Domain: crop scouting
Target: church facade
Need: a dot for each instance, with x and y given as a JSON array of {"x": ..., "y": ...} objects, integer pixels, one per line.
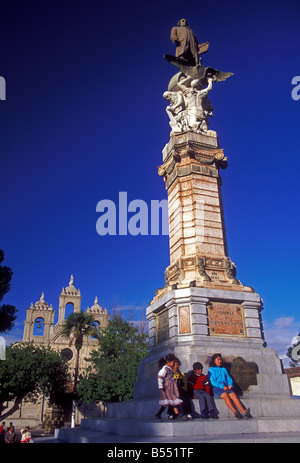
[{"x": 40, "y": 328}]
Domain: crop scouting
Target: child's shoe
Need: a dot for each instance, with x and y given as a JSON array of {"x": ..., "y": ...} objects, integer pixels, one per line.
[
  {"x": 204, "y": 415},
  {"x": 212, "y": 415},
  {"x": 246, "y": 413}
]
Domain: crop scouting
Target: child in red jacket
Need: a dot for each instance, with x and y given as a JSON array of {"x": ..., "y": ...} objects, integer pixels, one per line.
[{"x": 198, "y": 385}]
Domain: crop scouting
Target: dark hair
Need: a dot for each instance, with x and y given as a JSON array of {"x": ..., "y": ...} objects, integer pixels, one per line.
[
  {"x": 176, "y": 360},
  {"x": 212, "y": 360},
  {"x": 164, "y": 360},
  {"x": 197, "y": 366}
]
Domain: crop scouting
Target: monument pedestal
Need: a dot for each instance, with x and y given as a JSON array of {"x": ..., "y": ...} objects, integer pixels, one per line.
[{"x": 194, "y": 323}]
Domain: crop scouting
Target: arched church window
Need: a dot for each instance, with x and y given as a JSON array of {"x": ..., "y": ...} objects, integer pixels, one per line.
[
  {"x": 69, "y": 308},
  {"x": 38, "y": 328},
  {"x": 96, "y": 326}
]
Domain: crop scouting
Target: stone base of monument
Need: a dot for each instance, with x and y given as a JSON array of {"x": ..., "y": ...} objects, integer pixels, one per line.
[{"x": 195, "y": 323}]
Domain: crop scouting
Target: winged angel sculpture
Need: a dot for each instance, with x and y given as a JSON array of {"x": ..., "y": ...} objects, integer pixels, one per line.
[{"x": 189, "y": 106}]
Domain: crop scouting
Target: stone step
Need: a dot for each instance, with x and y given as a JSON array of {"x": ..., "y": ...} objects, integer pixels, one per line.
[
  {"x": 252, "y": 431},
  {"x": 261, "y": 406},
  {"x": 197, "y": 427}
]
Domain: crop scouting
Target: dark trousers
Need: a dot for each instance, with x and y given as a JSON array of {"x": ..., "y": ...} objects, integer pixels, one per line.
[{"x": 204, "y": 400}]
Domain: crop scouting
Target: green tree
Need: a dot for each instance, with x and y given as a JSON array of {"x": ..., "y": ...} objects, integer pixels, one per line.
[
  {"x": 293, "y": 353},
  {"x": 75, "y": 327},
  {"x": 7, "y": 312},
  {"x": 114, "y": 364},
  {"x": 28, "y": 371}
]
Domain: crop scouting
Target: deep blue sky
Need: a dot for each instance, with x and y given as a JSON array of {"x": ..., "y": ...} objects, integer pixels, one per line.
[{"x": 85, "y": 119}]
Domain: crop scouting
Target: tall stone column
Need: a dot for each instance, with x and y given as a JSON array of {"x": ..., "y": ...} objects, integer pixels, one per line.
[{"x": 198, "y": 245}]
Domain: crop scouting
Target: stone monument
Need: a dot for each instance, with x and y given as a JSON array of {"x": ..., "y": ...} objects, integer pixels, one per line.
[{"x": 203, "y": 307}]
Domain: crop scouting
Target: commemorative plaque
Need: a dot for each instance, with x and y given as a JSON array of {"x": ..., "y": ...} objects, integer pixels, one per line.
[
  {"x": 162, "y": 326},
  {"x": 226, "y": 319},
  {"x": 184, "y": 320},
  {"x": 244, "y": 373}
]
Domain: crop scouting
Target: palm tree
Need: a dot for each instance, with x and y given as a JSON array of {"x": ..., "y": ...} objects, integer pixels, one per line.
[{"x": 75, "y": 327}]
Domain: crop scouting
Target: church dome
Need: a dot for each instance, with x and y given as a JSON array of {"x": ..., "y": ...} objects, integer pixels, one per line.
[
  {"x": 96, "y": 308},
  {"x": 41, "y": 304},
  {"x": 71, "y": 290}
]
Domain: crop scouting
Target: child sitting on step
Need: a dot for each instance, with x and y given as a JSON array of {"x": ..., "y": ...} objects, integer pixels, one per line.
[
  {"x": 223, "y": 387},
  {"x": 198, "y": 385}
]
